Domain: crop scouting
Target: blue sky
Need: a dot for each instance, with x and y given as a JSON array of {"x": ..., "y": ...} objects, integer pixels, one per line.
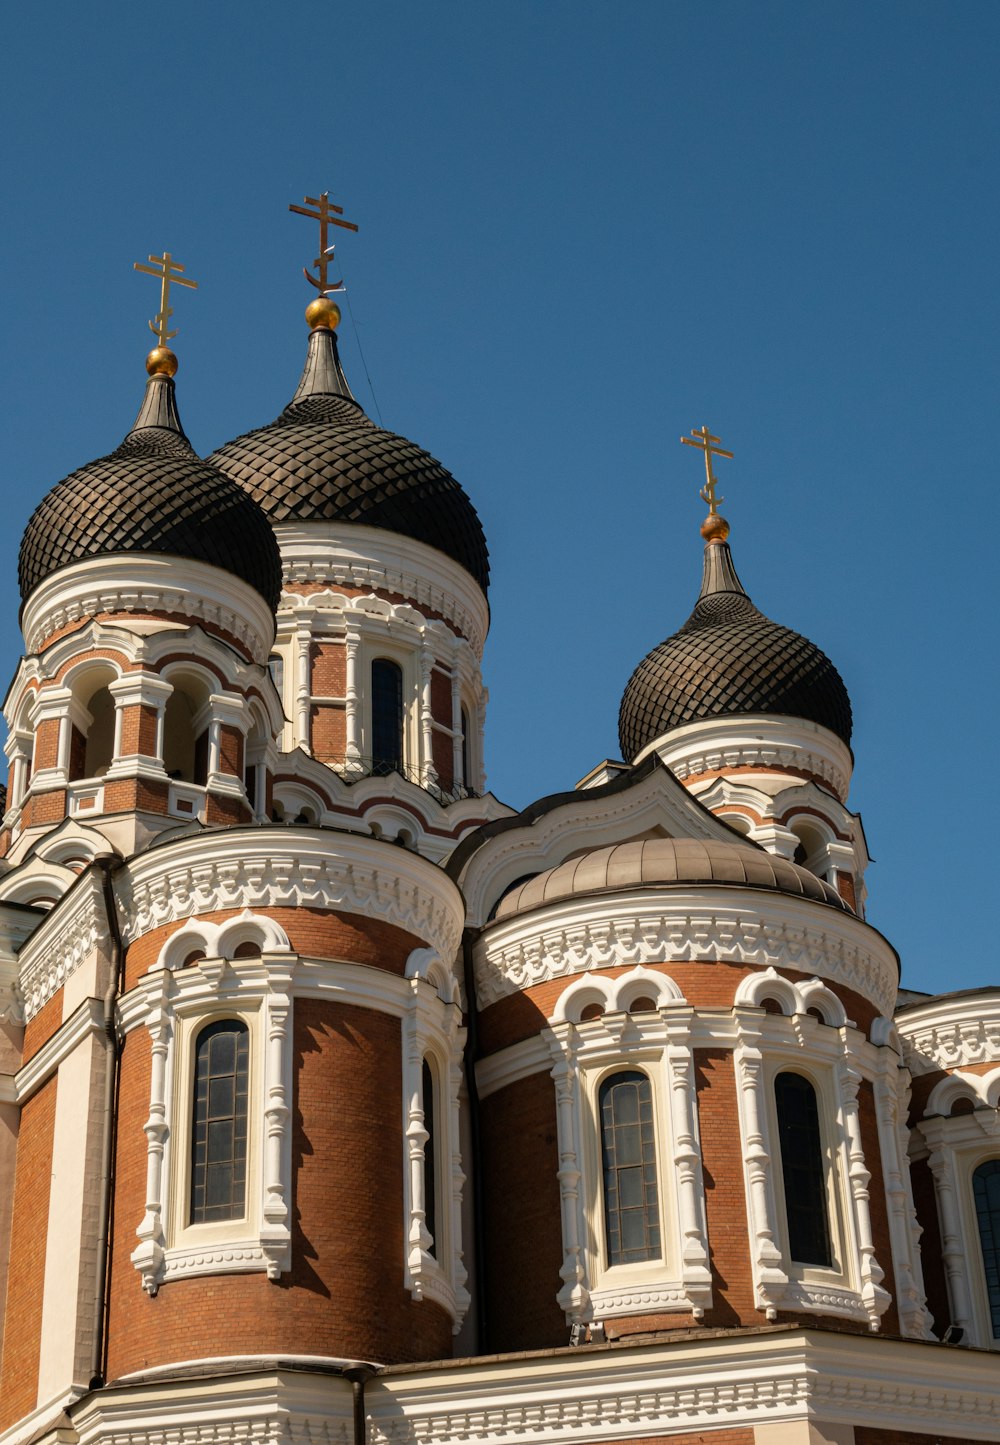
[{"x": 585, "y": 229}]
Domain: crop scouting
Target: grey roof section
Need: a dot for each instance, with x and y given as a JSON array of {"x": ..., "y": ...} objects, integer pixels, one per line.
[
  {"x": 153, "y": 494},
  {"x": 668, "y": 862},
  {"x": 324, "y": 460},
  {"x": 729, "y": 659}
]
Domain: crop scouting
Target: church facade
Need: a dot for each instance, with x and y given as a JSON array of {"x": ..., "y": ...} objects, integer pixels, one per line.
[{"x": 340, "y": 1102}]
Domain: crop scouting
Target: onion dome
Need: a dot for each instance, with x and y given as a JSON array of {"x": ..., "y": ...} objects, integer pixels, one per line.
[
  {"x": 729, "y": 659},
  {"x": 324, "y": 460},
  {"x": 668, "y": 862},
  {"x": 153, "y": 494}
]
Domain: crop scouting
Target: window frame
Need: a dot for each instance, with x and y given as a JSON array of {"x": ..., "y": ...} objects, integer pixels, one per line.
[
  {"x": 586, "y": 1053},
  {"x": 835, "y": 1166},
  {"x": 182, "y": 1235}
]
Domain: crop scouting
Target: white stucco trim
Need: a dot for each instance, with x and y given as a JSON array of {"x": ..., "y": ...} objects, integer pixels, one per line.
[
  {"x": 147, "y": 582},
  {"x": 764, "y": 740}
]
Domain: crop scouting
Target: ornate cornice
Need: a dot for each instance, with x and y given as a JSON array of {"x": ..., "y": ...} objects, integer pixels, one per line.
[
  {"x": 289, "y": 867},
  {"x": 61, "y": 943},
  {"x": 370, "y": 557},
  {"x": 717, "y": 925},
  {"x": 951, "y": 1033},
  {"x": 756, "y": 740},
  {"x": 147, "y": 583}
]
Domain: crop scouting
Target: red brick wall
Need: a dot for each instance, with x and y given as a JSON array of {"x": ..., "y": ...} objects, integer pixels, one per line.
[
  {"x": 231, "y": 750},
  {"x": 444, "y": 759},
  {"x": 329, "y": 669},
  {"x": 344, "y": 1295},
  {"x": 522, "y": 1224},
  {"x": 328, "y": 732},
  {"x": 23, "y": 1320},
  {"x": 522, "y": 1015},
  {"x": 138, "y": 731},
  {"x": 316, "y": 932},
  {"x": 43, "y": 1025},
  {"x": 725, "y": 1197}
]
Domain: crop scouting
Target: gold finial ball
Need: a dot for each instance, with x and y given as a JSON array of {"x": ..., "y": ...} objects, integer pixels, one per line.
[
  {"x": 161, "y": 361},
  {"x": 323, "y": 314},
  {"x": 715, "y": 528}
]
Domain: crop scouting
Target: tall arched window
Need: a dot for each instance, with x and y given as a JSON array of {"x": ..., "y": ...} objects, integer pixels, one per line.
[
  {"x": 466, "y": 780},
  {"x": 628, "y": 1153},
  {"x": 986, "y": 1192},
  {"x": 430, "y": 1162},
  {"x": 219, "y": 1123},
  {"x": 387, "y": 716},
  {"x": 803, "y": 1171}
]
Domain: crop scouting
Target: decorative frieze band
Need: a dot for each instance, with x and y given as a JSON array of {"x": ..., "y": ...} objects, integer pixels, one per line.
[
  {"x": 951, "y": 1034},
  {"x": 608, "y": 930}
]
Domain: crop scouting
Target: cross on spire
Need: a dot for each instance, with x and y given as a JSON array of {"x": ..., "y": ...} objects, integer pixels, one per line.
[
  {"x": 168, "y": 272},
  {"x": 705, "y": 442},
  {"x": 328, "y": 215}
]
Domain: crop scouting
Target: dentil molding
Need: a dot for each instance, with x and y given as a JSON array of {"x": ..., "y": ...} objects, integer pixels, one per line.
[
  {"x": 717, "y": 925},
  {"x": 147, "y": 583},
  {"x": 951, "y": 1033},
  {"x": 289, "y": 867}
]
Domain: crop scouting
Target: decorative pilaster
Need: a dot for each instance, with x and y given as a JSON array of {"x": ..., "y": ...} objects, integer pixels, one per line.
[
  {"x": 351, "y": 700},
  {"x": 574, "y": 1297},
  {"x": 875, "y": 1299},
  {"x": 303, "y": 686},
  {"x": 943, "y": 1168},
  {"x": 695, "y": 1268},
  {"x": 428, "y": 771},
  {"x": 770, "y": 1276},
  {"x": 276, "y": 1234},
  {"x": 892, "y": 1095},
  {"x": 148, "y": 1255}
]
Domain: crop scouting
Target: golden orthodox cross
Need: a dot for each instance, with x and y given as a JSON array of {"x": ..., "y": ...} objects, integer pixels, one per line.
[
  {"x": 169, "y": 272},
  {"x": 327, "y": 214},
  {"x": 705, "y": 442}
]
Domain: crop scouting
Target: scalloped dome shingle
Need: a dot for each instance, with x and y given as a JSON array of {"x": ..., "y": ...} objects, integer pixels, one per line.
[
  {"x": 152, "y": 494},
  {"x": 666, "y": 862},
  {"x": 323, "y": 459},
  {"x": 729, "y": 659}
]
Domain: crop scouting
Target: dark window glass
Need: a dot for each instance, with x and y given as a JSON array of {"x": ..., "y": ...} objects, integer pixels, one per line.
[
  {"x": 387, "y": 716},
  {"x": 219, "y": 1131},
  {"x": 466, "y": 780},
  {"x": 802, "y": 1170},
  {"x": 430, "y": 1164},
  {"x": 628, "y": 1149},
  {"x": 986, "y": 1190}
]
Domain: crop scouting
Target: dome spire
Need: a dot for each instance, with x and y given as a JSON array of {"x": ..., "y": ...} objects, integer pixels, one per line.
[
  {"x": 715, "y": 528},
  {"x": 159, "y": 404},
  {"x": 323, "y": 374}
]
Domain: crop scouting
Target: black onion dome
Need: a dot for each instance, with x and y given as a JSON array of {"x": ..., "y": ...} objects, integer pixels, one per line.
[
  {"x": 666, "y": 863},
  {"x": 324, "y": 460},
  {"x": 153, "y": 494},
  {"x": 729, "y": 659}
]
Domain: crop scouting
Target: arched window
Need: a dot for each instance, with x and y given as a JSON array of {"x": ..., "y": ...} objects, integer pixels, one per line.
[
  {"x": 466, "y": 779},
  {"x": 986, "y": 1192},
  {"x": 219, "y": 1122},
  {"x": 803, "y": 1171},
  {"x": 387, "y": 716},
  {"x": 92, "y": 734},
  {"x": 430, "y": 1162},
  {"x": 185, "y": 730},
  {"x": 628, "y": 1154}
]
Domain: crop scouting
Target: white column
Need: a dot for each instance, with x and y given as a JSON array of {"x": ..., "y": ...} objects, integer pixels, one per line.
[
  {"x": 892, "y": 1095},
  {"x": 457, "y": 774},
  {"x": 147, "y": 1257},
  {"x": 875, "y": 1299},
  {"x": 953, "y": 1252},
  {"x": 770, "y": 1276},
  {"x": 574, "y": 1296},
  {"x": 352, "y": 726},
  {"x": 696, "y": 1272},
  {"x": 276, "y": 1234},
  {"x": 428, "y": 772},
  {"x": 303, "y": 687}
]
